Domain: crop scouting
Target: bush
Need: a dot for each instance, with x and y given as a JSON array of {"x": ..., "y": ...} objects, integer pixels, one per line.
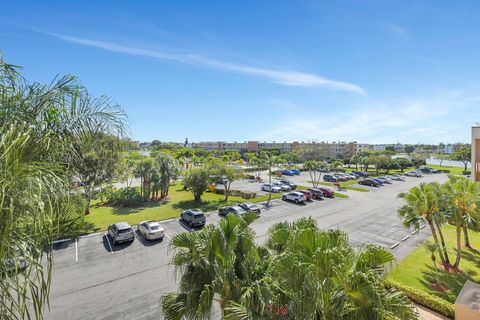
[
  {"x": 423, "y": 298},
  {"x": 467, "y": 172},
  {"x": 125, "y": 197},
  {"x": 444, "y": 171},
  {"x": 248, "y": 195}
]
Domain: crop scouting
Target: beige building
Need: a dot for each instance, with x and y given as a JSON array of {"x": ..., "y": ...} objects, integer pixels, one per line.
[{"x": 476, "y": 153}]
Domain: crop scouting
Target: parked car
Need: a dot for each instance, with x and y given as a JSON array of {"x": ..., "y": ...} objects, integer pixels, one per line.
[
  {"x": 294, "y": 196},
  {"x": 360, "y": 173},
  {"x": 340, "y": 177},
  {"x": 379, "y": 181},
  {"x": 120, "y": 232},
  {"x": 270, "y": 188},
  {"x": 288, "y": 173},
  {"x": 248, "y": 206},
  {"x": 329, "y": 193},
  {"x": 416, "y": 174},
  {"x": 231, "y": 209},
  {"x": 15, "y": 265},
  {"x": 295, "y": 171},
  {"x": 151, "y": 230},
  {"x": 384, "y": 180},
  {"x": 316, "y": 193},
  {"x": 396, "y": 177},
  {"x": 282, "y": 186},
  {"x": 307, "y": 193},
  {"x": 289, "y": 183},
  {"x": 351, "y": 176},
  {"x": 194, "y": 218},
  {"x": 329, "y": 178},
  {"x": 369, "y": 182},
  {"x": 427, "y": 170}
]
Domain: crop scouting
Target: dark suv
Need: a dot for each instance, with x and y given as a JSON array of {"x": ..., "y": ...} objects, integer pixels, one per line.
[
  {"x": 194, "y": 218},
  {"x": 289, "y": 183},
  {"x": 121, "y": 232},
  {"x": 316, "y": 193},
  {"x": 231, "y": 209}
]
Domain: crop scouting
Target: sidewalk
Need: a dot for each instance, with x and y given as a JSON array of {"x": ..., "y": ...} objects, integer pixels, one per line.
[{"x": 427, "y": 314}]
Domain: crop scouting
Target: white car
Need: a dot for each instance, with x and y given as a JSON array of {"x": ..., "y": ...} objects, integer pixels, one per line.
[
  {"x": 295, "y": 196},
  {"x": 396, "y": 177},
  {"x": 282, "y": 186},
  {"x": 270, "y": 188},
  {"x": 416, "y": 174},
  {"x": 151, "y": 230}
]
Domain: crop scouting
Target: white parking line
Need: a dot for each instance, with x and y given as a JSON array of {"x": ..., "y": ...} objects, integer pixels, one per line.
[
  {"x": 76, "y": 250},
  {"x": 166, "y": 235},
  {"x": 108, "y": 241}
]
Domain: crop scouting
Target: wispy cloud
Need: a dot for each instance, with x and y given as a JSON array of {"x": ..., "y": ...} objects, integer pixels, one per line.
[
  {"x": 397, "y": 30},
  {"x": 288, "y": 78},
  {"x": 426, "y": 119}
]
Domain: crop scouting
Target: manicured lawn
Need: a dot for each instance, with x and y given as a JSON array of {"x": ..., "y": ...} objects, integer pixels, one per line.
[
  {"x": 101, "y": 216},
  {"x": 346, "y": 185},
  {"x": 417, "y": 269},
  {"x": 453, "y": 170}
]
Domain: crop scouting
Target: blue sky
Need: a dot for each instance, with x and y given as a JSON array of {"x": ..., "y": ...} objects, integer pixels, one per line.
[{"x": 377, "y": 71}]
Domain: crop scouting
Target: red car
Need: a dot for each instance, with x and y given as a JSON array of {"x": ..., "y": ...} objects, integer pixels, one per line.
[
  {"x": 308, "y": 194},
  {"x": 327, "y": 192}
]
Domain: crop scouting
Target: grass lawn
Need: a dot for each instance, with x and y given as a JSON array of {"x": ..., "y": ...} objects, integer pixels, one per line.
[
  {"x": 101, "y": 216},
  {"x": 453, "y": 170},
  {"x": 417, "y": 269},
  {"x": 346, "y": 185}
]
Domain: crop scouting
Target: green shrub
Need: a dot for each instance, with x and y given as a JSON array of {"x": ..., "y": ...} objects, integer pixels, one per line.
[
  {"x": 248, "y": 195},
  {"x": 444, "y": 171},
  {"x": 423, "y": 298},
  {"x": 467, "y": 172},
  {"x": 125, "y": 197}
]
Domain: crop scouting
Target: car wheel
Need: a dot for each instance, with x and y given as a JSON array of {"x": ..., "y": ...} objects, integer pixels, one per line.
[
  {"x": 284, "y": 198},
  {"x": 296, "y": 201}
]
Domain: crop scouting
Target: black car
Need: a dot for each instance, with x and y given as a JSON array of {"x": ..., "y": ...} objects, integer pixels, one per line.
[
  {"x": 231, "y": 209},
  {"x": 248, "y": 206},
  {"x": 360, "y": 173},
  {"x": 368, "y": 182},
  {"x": 289, "y": 183},
  {"x": 194, "y": 218},
  {"x": 316, "y": 193}
]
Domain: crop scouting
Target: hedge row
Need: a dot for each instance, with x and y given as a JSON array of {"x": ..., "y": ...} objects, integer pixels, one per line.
[
  {"x": 237, "y": 193},
  {"x": 423, "y": 298}
]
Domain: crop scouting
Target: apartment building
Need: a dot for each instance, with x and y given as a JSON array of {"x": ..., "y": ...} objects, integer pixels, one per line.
[{"x": 328, "y": 149}]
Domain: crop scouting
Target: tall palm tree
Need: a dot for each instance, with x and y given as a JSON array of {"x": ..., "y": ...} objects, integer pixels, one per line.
[
  {"x": 432, "y": 248},
  {"x": 423, "y": 205},
  {"x": 462, "y": 202},
  {"x": 317, "y": 274},
  {"x": 220, "y": 265}
]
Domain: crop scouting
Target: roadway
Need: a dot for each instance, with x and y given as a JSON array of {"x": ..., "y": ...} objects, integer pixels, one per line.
[{"x": 92, "y": 279}]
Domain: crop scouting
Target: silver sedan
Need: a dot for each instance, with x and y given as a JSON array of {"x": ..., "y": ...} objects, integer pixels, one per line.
[{"x": 151, "y": 230}]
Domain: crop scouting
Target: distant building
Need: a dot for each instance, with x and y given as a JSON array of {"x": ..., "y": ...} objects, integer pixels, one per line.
[
  {"x": 476, "y": 153},
  {"x": 448, "y": 149},
  {"x": 329, "y": 149}
]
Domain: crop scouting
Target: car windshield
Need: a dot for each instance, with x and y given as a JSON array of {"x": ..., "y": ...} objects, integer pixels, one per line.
[
  {"x": 154, "y": 227},
  {"x": 124, "y": 230}
]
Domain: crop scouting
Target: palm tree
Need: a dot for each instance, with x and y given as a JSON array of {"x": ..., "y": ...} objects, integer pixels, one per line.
[
  {"x": 39, "y": 126},
  {"x": 219, "y": 265},
  {"x": 462, "y": 202},
  {"x": 432, "y": 248},
  {"x": 423, "y": 206},
  {"x": 317, "y": 274}
]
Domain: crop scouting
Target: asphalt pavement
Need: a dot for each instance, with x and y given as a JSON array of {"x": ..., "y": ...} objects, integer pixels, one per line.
[{"x": 93, "y": 279}]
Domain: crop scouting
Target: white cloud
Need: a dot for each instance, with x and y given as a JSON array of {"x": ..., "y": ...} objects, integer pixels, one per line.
[
  {"x": 409, "y": 120},
  {"x": 288, "y": 78}
]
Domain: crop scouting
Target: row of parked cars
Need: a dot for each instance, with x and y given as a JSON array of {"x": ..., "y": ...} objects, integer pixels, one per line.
[
  {"x": 123, "y": 232},
  {"x": 300, "y": 196}
]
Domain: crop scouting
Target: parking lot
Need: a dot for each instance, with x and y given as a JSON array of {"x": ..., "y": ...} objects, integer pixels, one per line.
[{"x": 95, "y": 280}]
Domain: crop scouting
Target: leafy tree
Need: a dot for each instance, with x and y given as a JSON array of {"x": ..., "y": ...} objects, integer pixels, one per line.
[
  {"x": 355, "y": 159},
  {"x": 423, "y": 206},
  {"x": 267, "y": 161},
  {"x": 390, "y": 148},
  {"x": 418, "y": 161},
  {"x": 403, "y": 163},
  {"x": 464, "y": 155},
  {"x": 441, "y": 158},
  {"x": 128, "y": 166},
  {"x": 197, "y": 180},
  {"x": 409, "y": 149},
  {"x": 97, "y": 157},
  {"x": 383, "y": 162},
  {"x": 366, "y": 162},
  {"x": 335, "y": 165},
  {"x": 146, "y": 171},
  {"x": 226, "y": 175}
]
